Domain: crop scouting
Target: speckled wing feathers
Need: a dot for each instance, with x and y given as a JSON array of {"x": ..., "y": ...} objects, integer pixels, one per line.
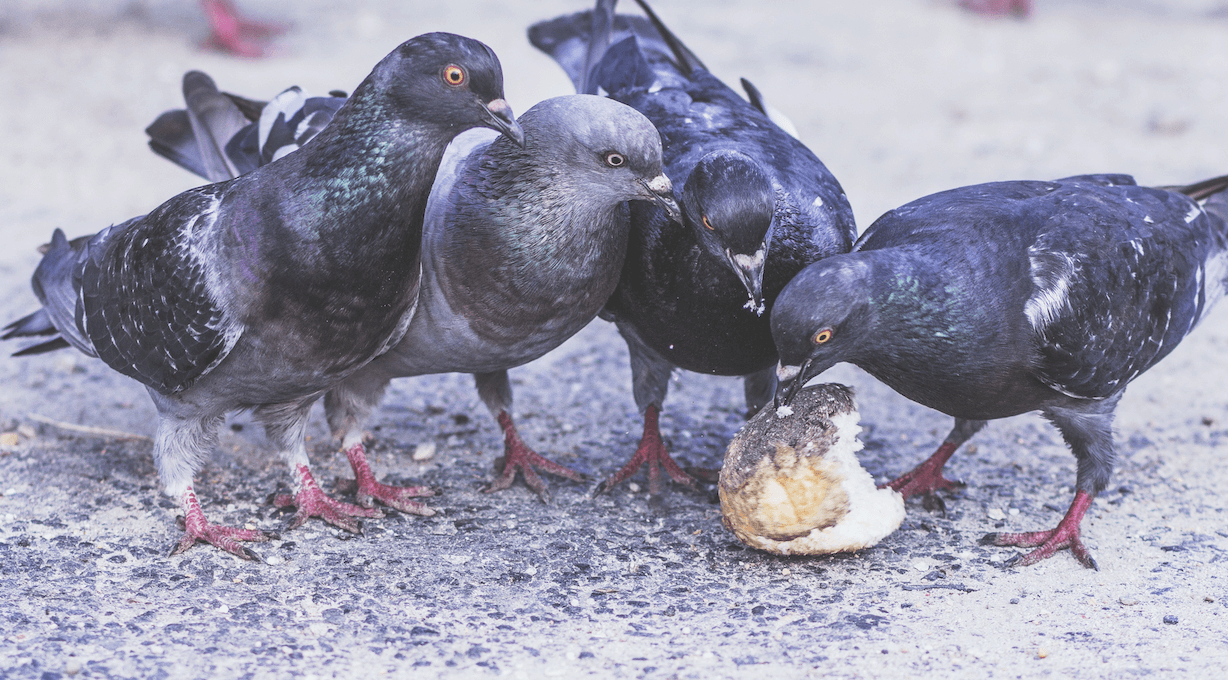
[
  {"x": 1113, "y": 297},
  {"x": 144, "y": 301}
]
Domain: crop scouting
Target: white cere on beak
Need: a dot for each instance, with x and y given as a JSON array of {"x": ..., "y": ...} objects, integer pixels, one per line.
[
  {"x": 660, "y": 184},
  {"x": 750, "y": 262},
  {"x": 787, "y": 373}
]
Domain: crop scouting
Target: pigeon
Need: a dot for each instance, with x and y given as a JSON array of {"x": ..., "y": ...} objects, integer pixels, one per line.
[
  {"x": 993, "y": 300},
  {"x": 549, "y": 221},
  {"x": 757, "y": 207},
  {"x": 265, "y": 291}
]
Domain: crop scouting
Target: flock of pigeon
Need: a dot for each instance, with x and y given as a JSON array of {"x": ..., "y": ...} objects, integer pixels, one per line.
[{"x": 416, "y": 227}]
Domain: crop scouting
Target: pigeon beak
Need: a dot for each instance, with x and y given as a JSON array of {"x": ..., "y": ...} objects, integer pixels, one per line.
[
  {"x": 501, "y": 119},
  {"x": 661, "y": 191},
  {"x": 749, "y": 269},
  {"x": 790, "y": 379}
]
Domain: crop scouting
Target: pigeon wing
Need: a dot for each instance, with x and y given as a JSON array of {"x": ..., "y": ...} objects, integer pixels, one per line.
[
  {"x": 144, "y": 300},
  {"x": 1118, "y": 281}
]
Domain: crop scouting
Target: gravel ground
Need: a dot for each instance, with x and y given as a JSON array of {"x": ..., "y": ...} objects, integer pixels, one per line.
[{"x": 900, "y": 98}]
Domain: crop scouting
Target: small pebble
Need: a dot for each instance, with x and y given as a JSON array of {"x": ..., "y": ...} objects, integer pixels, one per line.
[
  {"x": 424, "y": 451},
  {"x": 996, "y": 514},
  {"x": 1014, "y": 600},
  {"x": 1013, "y": 511},
  {"x": 1042, "y": 653},
  {"x": 920, "y": 565},
  {"x": 1128, "y": 600},
  {"x": 635, "y": 488},
  {"x": 273, "y": 560},
  {"x": 72, "y": 667},
  {"x": 784, "y": 411},
  {"x": 1208, "y": 598},
  {"x": 1170, "y": 619},
  {"x": 9, "y": 439},
  {"x": 785, "y": 572}
]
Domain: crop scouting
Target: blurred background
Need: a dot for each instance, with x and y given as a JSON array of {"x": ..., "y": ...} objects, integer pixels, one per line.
[{"x": 899, "y": 97}]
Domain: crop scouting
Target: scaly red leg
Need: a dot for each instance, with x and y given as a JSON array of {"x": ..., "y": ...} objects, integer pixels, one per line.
[
  {"x": 367, "y": 490},
  {"x": 311, "y": 501},
  {"x": 197, "y": 528},
  {"x": 518, "y": 456},
  {"x": 652, "y": 451},
  {"x": 1065, "y": 535},
  {"x": 926, "y": 477},
  {"x": 232, "y": 33}
]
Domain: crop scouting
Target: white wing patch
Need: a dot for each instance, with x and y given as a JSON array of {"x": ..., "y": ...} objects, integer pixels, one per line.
[
  {"x": 1193, "y": 214},
  {"x": 1052, "y": 274}
]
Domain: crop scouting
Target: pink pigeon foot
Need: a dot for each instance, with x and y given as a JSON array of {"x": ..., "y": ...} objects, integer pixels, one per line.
[
  {"x": 518, "y": 456},
  {"x": 1065, "y": 535},
  {"x": 197, "y": 528},
  {"x": 652, "y": 451},
  {"x": 311, "y": 501},
  {"x": 231, "y": 33},
  {"x": 367, "y": 490},
  {"x": 927, "y": 477}
]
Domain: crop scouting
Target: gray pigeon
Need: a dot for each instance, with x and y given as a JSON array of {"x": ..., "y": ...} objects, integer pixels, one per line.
[
  {"x": 265, "y": 291},
  {"x": 521, "y": 247},
  {"x": 997, "y": 299}
]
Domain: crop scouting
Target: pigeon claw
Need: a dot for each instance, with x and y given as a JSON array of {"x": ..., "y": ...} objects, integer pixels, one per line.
[
  {"x": 224, "y": 537},
  {"x": 652, "y": 451},
  {"x": 927, "y": 477},
  {"x": 310, "y": 501},
  {"x": 367, "y": 490},
  {"x": 1047, "y": 543},
  {"x": 518, "y": 456}
]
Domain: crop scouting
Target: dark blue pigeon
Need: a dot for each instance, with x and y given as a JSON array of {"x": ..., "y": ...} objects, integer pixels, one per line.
[
  {"x": 521, "y": 247},
  {"x": 993, "y": 300},
  {"x": 265, "y": 291},
  {"x": 757, "y": 207}
]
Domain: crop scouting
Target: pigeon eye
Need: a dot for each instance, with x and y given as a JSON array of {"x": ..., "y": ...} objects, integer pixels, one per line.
[
  {"x": 615, "y": 159},
  {"x": 822, "y": 336},
  {"x": 708, "y": 224},
  {"x": 453, "y": 75}
]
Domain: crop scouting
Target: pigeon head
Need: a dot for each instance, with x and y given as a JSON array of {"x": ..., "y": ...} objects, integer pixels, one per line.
[
  {"x": 607, "y": 147},
  {"x": 824, "y": 316},
  {"x": 447, "y": 80},
  {"x": 728, "y": 201}
]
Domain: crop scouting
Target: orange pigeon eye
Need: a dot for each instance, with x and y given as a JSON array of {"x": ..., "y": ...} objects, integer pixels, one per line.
[
  {"x": 453, "y": 75},
  {"x": 822, "y": 336}
]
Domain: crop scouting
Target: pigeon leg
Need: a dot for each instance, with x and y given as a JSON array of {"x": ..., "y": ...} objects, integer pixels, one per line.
[
  {"x": 1020, "y": 9},
  {"x": 197, "y": 528},
  {"x": 518, "y": 456},
  {"x": 231, "y": 33},
  {"x": 368, "y": 490},
  {"x": 927, "y": 477},
  {"x": 652, "y": 451},
  {"x": 311, "y": 501},
  {"x": 1065, "y": 535}
]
